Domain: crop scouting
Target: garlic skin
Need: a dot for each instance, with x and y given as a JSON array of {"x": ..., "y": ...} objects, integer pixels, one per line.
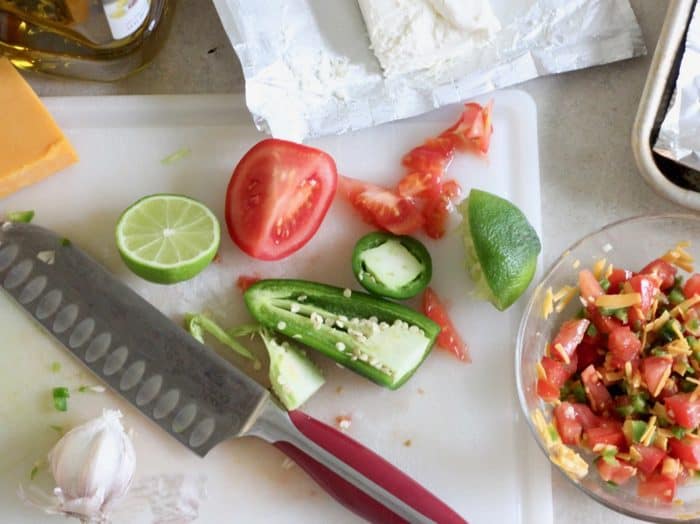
[{"x": 93, "y": 466}]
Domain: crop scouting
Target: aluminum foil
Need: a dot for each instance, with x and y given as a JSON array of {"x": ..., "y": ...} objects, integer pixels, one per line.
[
  {"x": 679, "y": 134},
  {"x": 309, "y": 70}
]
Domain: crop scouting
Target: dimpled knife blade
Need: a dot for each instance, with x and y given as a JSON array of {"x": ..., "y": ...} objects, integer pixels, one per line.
[{"x": 180, "y": 384}]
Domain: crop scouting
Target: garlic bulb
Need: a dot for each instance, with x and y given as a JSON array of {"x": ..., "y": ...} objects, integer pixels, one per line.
[{"x": 93, "y": 466}]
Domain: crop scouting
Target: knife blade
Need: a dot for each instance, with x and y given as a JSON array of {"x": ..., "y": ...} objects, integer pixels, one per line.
[{"x": 183, "y": 386}]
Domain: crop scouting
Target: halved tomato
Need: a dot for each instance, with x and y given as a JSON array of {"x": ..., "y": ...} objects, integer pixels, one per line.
[
  {"x": 618, "y": 472},
  {"x": 654, "y": 370},
  {"x": 589, "y": 286},
  {"x": 656, "y": 486},
  {"x": 436, "y": 211},
  {"x": 473, "y": 130},
  {"x": 687, "y": 450},
  {"x": 448, "y": 338},
  {"x": 598, "y": 395},
  {"x": 684, "y": 411},
  {"x": 277, "y": 198},
  {"x": 651, "y": 458},
  {"x": 663, "y": 270},
  {"x": 382, "y": 207},
  {"x": 569, "y": 336}
]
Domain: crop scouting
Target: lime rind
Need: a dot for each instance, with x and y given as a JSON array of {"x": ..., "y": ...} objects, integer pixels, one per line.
[
  {"x": 501, "y": 247},
  {"x": 167, "y": 238}
]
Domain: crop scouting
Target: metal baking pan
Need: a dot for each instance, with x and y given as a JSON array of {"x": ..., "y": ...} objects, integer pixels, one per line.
[{"x": 668, "y": 178}]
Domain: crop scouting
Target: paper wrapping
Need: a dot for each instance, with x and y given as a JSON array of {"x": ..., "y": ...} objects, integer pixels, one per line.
[
  {"x": 679, "y": 134},
  {"x": 309, "y": 70}
]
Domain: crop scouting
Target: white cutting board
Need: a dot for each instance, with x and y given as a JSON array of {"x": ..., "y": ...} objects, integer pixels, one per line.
[{"x": 468, "y": 442}]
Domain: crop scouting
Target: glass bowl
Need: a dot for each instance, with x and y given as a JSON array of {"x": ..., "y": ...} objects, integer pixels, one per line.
[{"x": 631, "y": 244}]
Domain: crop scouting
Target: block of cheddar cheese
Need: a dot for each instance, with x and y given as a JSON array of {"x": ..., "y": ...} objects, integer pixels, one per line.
[{"x": 32, "y": 146}]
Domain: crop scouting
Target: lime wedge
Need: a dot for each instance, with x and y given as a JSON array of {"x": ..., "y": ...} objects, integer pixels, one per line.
[
  {"x": 501, "y": 247},
  {"x": 167, "y": 238}
]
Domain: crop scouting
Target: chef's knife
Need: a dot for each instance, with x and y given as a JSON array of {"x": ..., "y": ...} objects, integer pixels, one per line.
[{"x": 186, "y": 388}]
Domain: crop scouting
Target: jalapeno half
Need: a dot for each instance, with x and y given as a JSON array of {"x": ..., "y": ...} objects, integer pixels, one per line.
[{"x": 391, "y": 266}]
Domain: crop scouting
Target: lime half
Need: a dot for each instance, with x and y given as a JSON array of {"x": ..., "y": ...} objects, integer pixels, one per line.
[
  {"x": 167, "y": 238},
  {"x": 501, "y": 246}
]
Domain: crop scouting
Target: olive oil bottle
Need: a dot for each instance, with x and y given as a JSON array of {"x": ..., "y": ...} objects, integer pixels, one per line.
[{"x": 92, "y": 39}]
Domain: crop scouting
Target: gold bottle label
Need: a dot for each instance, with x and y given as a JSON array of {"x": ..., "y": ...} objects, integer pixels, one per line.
[{"x": 125, "y": 16}]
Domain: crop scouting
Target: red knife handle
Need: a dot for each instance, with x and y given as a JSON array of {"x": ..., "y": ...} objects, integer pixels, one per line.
[{"x": 355, "y": 476}]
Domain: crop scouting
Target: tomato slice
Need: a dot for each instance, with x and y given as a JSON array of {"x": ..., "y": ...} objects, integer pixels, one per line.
[
  {"x": 623, "y": 345},
  {"x": 662, "y": 270},
  {"x": 651, "y": 458},
  {"x": 619, "y": 472},
  {"x": 617, "y": 278},
  {"x": 682, "y": 410},
  {"x": 420, "y": 184},
  {"x": 692, "y": 286},
  {"x": 448, "y": 338},
  {"x": 654, "y": 370},
  {"x": 436, "y": 212},
  {"x": 598, "y": 395},
  {"x": 473, "y": 130},
  {"x": 687, "y": 450},
  {"x": 589, "y": 286},
  {"x": 569, "y": 337},
  {"x": 277, "y": 198},
  {"x": 382, "y": 207},
  {"x": 656, "y": 486}
]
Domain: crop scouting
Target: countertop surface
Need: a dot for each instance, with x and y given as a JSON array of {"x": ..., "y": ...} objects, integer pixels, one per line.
[{"x": 585, "y": 118}]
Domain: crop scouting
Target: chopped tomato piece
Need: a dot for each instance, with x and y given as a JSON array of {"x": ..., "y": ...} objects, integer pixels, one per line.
[
  {"x": 569, "y": 337},
  {"x": 682, "y": 410},
  {"x": 651, "y": 458},
  {"x": 623, "y": 345},
  {"x": 473, "y": 130},
  {"x": 603, "y": 323},
  {"x": 436, "y": 212},
  {"x": 663, "y": 270},
  {"x": 571, "y": 420},
  {"x": 382, "y": 207},
  {"x": 636, "y": 318},
  {"x": 278, "y": 196},
  {"x": 433, "y": 157},
  {"x": 589, "y": 286},
  {"x": 588, "y": 354},
  {"x": 547, "y": 391},
  {"x": 557, "y": 372},
  {"x": 420, "y": 185},
  {"x": 670, "y": 389},
  {"x": 243, "y": 282},
  {"x": 448, "y": 338},
  {"x": 610, "y": 434},
  {"x": 648, "y": 287},
  {"x": 654, "y": 370},
  {"x": 618, "y": 472},
  {"x": 598, "y": 395},
  {"x": 656, "y": 486},
  {"x": 687, "y": 450},
  {"x": 692, "y": 286},
  {"x": 617, "y": 278}
]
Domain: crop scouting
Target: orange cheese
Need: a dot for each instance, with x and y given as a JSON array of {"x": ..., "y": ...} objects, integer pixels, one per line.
[{"x": 32, "y": 146}]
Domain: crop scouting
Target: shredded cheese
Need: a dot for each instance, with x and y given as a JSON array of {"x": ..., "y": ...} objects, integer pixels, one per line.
[
  {"x": 618, "y": 301},
  {"x": 609, "y": 271},
  {"x": 679, "y": 257},
  {"x": 576, "y": 264},
  {"x": 658, "y": 323},
  {"x": 649, "y": 433},
  {"x": 568, "y": 297},
  {"x": 635, "y": 456},
  {"x": 547, "y": 303},
  {"x": 628, "y": 369},
  {"x": 662, "y": 382},
  {"x": 598, "y": 268},
  {"x": 685, "y": 305},
  {"x": 562, "y": 352},
  {"x": 541, "y": 373}
]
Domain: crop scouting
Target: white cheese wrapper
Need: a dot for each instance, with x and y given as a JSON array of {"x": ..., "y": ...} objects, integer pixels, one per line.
[
  {"x": 679, "y": 135},
  {"x": 310, "y": 71}
]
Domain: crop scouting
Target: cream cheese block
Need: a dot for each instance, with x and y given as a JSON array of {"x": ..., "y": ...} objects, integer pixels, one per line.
[{"x": 408, "y": 35}]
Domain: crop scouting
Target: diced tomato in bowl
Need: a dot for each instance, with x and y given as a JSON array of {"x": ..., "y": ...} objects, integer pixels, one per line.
[
  {"x": 662, "y": 270},
  {"x": 683, "y": 410},
  {"x": 615, "y": 470}
]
